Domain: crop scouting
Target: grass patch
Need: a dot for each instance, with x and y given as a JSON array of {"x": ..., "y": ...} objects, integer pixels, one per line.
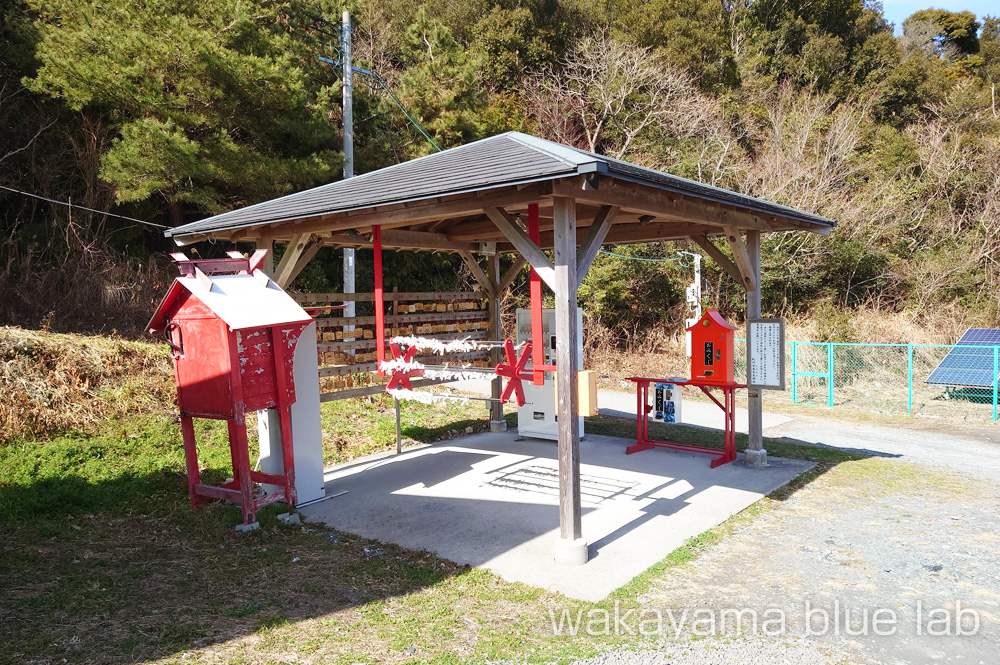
[
  {"x": 708, "y": 438},
  {"x": 367, "y": 425},
  {"x": 103, "y": 559}
]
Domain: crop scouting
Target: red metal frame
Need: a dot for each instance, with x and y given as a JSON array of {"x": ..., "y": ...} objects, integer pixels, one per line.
[
  {"x": 513, "y": 371},
  {"x": 643, "y": 408},
  {"x": 379, "y": 300},
  {"x": 401, "y": 377}
]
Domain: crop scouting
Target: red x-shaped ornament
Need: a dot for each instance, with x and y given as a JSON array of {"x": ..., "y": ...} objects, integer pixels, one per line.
[
  {"x": 513, "y": 370},
  {"x": 401, "y": 377}
]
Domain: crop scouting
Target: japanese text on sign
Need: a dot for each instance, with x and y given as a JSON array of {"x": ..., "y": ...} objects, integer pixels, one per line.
[{"x": 766, "y": 354}]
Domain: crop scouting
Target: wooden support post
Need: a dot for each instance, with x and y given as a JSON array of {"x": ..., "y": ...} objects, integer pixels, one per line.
[
  {"x": 522, "y": 243},
  {"x": 742, "y": 256},
  {"x": 496, "y": 408},
  {"x": 399, "y": 431},
  {"x": 268, "y": 264},
  {"x": 756, "y": 455},
  {"x": 571, "y": 549},
  {"x": 284, "y": 273},
  {"x": 595, "y": 237}
]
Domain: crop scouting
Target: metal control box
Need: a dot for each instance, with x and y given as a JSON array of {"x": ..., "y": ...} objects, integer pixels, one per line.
[{"x": 537, "y": 417}]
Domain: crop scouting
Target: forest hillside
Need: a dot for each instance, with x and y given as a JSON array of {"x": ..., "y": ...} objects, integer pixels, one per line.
[{"x": 163, "y": 112}]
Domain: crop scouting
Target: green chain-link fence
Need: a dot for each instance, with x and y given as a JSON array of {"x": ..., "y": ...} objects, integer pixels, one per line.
[{"x": 888, "y": 378}]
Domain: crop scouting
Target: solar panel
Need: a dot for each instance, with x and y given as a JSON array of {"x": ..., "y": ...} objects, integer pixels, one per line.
[{"x": 970, "y": 366}]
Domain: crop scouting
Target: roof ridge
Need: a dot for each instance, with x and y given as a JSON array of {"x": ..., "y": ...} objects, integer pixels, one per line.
[{"x": 566, "y": 154}]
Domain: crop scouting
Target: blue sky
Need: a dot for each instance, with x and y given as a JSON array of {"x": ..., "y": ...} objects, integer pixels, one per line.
[{"x": 896, "y": 11}]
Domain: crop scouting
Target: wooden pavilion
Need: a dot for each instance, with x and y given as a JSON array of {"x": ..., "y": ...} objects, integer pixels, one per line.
[{"x": 459, "y": 199}]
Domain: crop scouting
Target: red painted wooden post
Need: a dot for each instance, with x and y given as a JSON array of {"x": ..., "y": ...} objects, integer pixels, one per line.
[
  {"x": 379, "y": 300},
  {"x": 284, "y": 413},
  {"x": 238, "y": 434},
  {"x": 191, "y": 457},
  {"x": 537, "y": 332}
]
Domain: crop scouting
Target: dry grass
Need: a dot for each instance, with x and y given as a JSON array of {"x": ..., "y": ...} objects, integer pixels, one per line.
[
  {"x": 88, "y": 288},
  {"x": 55, "y": 382}
]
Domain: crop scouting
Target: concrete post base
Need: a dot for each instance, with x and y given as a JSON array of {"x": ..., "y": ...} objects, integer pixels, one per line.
[
  {"x": 571, "y": 552},
  {"x": 247, "y": 528},
  {"x": 498, "y": 426},
  {"x": 755, "y": 458}
]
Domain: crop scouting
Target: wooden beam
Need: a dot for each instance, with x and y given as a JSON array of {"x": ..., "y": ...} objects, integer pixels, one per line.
[
  {"x": 407, "y": 214},
  {"x": 742, "y": 258},
  {"x": 268, "y": 264},
  {"x": 308, "y": 253},
  {"x": 284, "y": 273},
  {"x": 529, "y": 250},
  {"x": 424, "y": 240},
  {"x": 510, "y": 275},
  {"x": 496, "y": 386},
  {"x": 724, "y": 262},
  {"x": 348, "y": 240},
  {"x": 622, "y": 234},
  {"x": 662, "y": 204},
  {"x": 478, "y": 273},
  {"x": 595, "y": 238},
  {"x": 567, "y": 338}
]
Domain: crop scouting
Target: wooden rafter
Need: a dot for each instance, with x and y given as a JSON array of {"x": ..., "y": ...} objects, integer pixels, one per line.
[
  {"x": 743, "y": 260},
  {"x": 596, "y": 234},
  {"x": 478, "y": 273},
  {"x": 621, "y": 234},
  {"x": 401, "y": 215},
  {"x": 664, "y": 205},
  {"x": 519, "y": 239},
  {"x": 511, "y": 274},
  {"x": 284, "y": 272}
]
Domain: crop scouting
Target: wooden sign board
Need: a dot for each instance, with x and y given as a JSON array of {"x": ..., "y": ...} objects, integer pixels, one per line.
[{"x": 766, "y": 354}]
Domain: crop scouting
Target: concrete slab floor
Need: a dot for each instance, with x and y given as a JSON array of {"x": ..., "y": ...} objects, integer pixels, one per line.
[{"x": 490, "y": 501}]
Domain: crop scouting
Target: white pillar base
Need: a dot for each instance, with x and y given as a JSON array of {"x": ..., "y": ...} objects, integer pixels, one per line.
[
  {"x": 498, "y": 425},
  {"x": 571, "y": 552},
  {"x": 755, "y": 458}
]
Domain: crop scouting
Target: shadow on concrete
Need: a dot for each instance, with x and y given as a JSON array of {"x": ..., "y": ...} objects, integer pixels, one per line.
[{"x": 489, "y": 500}]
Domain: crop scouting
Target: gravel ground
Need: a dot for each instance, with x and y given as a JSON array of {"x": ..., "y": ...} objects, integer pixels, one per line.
[
  {"x": 868, "y": 535},
  {"x": 732, "y": 652}
]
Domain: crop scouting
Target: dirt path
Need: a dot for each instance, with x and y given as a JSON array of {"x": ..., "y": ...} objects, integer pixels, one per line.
[
  {"x": 868, "y": 535},
  {"x": 969, "y": 449}
]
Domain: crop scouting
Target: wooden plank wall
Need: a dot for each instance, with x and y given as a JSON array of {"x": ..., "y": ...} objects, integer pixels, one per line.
[{"x": 347, "y": 357}]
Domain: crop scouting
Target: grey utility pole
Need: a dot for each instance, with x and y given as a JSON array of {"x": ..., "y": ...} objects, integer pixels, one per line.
[{"x": 348, "y": 90}]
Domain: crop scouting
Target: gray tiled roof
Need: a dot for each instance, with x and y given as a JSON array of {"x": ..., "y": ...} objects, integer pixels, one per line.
[{"x": 507, "y": 159}]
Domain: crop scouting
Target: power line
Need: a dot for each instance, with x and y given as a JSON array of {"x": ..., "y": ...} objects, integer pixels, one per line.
[
  {"x": 381, "y": 82},
  {"x": 71, "y": 205},
  {"x": 669, "y": 259}
]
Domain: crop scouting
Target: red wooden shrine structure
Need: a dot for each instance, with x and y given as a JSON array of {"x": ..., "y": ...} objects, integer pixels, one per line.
[
  {"x": 712, "y": 366},
  {"x": 232, "y": 332}
]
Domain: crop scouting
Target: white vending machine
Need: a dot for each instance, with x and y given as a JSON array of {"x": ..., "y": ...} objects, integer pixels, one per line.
[{"x": 537, "y": 418}]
